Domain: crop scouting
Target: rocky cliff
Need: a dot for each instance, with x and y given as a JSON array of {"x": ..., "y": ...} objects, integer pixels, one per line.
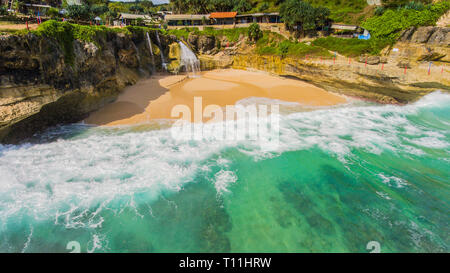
[
  {"x": 41, "y": 87},
  {"x": 402, "y": 73}
]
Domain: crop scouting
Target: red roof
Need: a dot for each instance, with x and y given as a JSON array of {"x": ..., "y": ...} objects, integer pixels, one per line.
[{"x": 217, "y": 15}]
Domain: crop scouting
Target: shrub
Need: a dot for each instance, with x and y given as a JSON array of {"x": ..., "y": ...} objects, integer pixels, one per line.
[
  {"x": 79, "y": 12},
  {"x": 254, "y": 32},
  {"x": 379, "y": 11},
  {"x": 391, "y": 22},
  {"x": 53, "y": 12},
  {"x": 3, "y": 10}
]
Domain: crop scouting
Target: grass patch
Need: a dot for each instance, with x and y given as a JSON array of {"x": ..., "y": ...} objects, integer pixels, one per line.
[
  {"x": 231, "y": 34},
  {"x": 342, "y": 11},
  {"x": 351, "y": 47},
  {"x": 275, "y": 44}
]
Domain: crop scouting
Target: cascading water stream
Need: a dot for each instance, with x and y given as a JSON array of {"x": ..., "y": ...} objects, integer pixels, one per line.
[
  {"x": 189, "y": 60},
  {"x": 163, "y": 59},
  {"x": 149, "y": 41}
]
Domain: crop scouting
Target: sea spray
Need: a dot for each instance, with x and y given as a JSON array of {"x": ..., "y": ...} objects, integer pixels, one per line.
[{"x": 360, "y": 169}]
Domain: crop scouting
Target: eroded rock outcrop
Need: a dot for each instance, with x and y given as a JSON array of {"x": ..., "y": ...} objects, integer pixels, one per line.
[
  {"x": 423, "y": 44},
  {"x": 201, "y": 43},
  {"x": 42, "y": 85}
]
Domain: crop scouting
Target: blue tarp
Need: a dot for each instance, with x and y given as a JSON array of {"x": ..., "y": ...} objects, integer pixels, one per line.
[{"x": 364, "y": 37}]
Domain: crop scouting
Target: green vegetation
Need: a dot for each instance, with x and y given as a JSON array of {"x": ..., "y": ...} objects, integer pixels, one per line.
[
  {"x": 350, "y": 47},
  {"x": 275, "y": 44},
  {"x": 232, "y": 34},
  {"x": 296, "y": 13},
  {"x": 402, "y": 3},
  {"x": 207, "y": 6},
  {"x": 254, "y": 32},
  {"x": 388, "y": 25},
  {"x": 344, "y": 11},
  {"x": 385, "y": 27},
  {"x": 3, "y": 10},
  {"x": 65, "y": 33}
]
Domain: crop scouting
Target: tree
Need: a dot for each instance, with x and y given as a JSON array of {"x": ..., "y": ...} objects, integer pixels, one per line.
[
  {"x": 321, "y": 16},
  {"x": 79, "y": 12},
  {"x": 299, "y": 14},
  {"x": 242, "y": 6},
  {"x": 254, "y": 32},
  {"x": 263, "y": 7},
  {"x": 3, "y": 10},
  {"x": 147, "y": 5},
  {"x": 99, "y": 9},
  {"x": 53, "y": 12},
  {"x": 221, "y": 5},
  {"x": 117, "y": 7},
  {"x": 136, "y": 9}
]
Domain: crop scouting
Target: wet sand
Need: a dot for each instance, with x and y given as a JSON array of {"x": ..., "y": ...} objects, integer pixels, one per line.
[{"x": 154, "y": 98}]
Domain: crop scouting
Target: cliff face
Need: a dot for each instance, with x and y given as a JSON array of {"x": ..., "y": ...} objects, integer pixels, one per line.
[
  {"x": 423, "y": 44},
  {"x": 39, "y": 87},
  {"x": 383, "y": 79}
]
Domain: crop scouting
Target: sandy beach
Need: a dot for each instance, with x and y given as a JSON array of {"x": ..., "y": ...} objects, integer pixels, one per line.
[{"x": 154, "y": 98}]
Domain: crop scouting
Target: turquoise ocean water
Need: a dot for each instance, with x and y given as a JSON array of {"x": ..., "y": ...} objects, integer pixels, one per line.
[{"x": 341, "y": 177}]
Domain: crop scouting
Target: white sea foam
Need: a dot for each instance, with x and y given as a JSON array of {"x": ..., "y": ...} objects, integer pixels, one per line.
[
  {"x": 392, "y": 181},
  {"x": 223, "y": 179},
  {"x": 66, "y": 178}
]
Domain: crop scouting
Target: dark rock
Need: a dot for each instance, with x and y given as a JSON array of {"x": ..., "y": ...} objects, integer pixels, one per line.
[
  {"x": 440, "y": 37},
  {"x": 193, "y": 41},
  {"x": 406, "y": 34},
  {"x": 43, "y": 84},
  {"x": 422, "y": 34},
  {"x": 404, "y": 63},
  {"x": 205, "y": 43},
  {"x": 372, "y": 60},
  {"x": 431, "y": 56}
]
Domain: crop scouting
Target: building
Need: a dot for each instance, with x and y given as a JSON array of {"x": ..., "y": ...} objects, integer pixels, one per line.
[
  {"x": 35, "y": 9},
  {"x": 223, "y": 18},
  {"x": 133, "y": 19},
  {"x": 273, "y": 17},
  {"x": 344, "y": 27},
  {"x": 186, "y": 19},
  {"x": 350, "y": 31}
]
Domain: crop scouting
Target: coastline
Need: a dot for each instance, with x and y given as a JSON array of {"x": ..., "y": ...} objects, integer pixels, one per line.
[{"x": 155, "y": 97}]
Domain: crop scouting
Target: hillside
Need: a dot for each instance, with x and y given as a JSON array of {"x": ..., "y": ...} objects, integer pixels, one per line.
[{"x": 348, "y": 11}]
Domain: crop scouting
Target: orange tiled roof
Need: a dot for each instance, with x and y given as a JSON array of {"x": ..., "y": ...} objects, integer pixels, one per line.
[{"x": 223, "y": 14}]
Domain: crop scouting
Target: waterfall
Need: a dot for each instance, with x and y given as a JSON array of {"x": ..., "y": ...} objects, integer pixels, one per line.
[
  {"x": 189, "y": 60},
  {"x": 151, "y": 52},
  {"x": 163, "y": 60}
]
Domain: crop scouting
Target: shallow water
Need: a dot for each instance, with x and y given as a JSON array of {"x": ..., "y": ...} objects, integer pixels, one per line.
[{"x": 341, "y": 177}]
